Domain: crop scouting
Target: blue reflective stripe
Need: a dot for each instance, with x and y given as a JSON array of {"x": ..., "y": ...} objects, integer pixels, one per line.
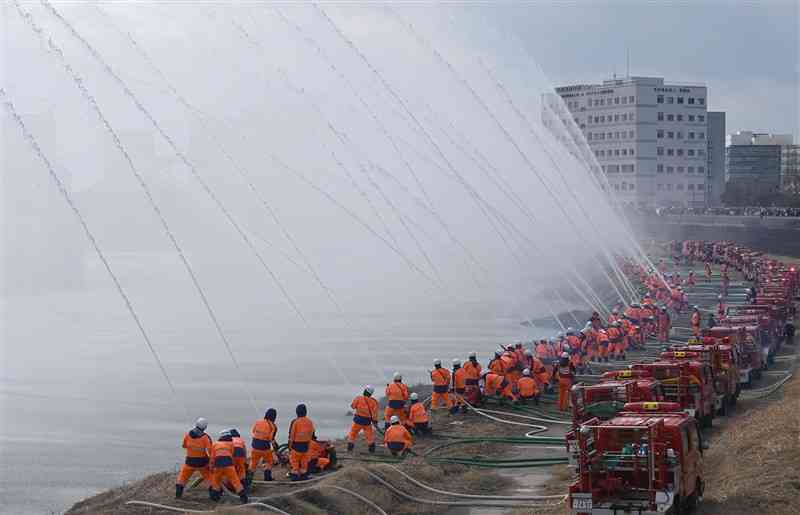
[
  {"x": 362, "y": 421},
  {"x": 223, "y": 461},
  {"x": 300, "y": 446},
  {"x": 441, "y": 388},
  {"x": 261, "y": 445},
  {"x": 397, "y": 404},
  {"x": 197, "y": 461},
  {"x": 239, "y": 452},
  {"x": 396, "y": 446}
]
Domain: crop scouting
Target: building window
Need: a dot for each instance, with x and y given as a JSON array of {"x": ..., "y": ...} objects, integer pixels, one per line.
[
  {"x": 660, "y": 99},
  {"x": 660, "y": 117},
  {"x": 679, "y": 117},
  {"x": 691, "y": 134},
  {"x": 608, "y": 135},
  {"x": 701, "y": 152},
  {"x": 624, "y": 117},
  {"x": 680, "y": 135},
  {"x": 659, "y": 133},
  {"x": 588, "y": 136},
  {"x": 660, "y": 151},
  {"x": 691, "y": 100},
  {"x": 669, "y": 187},
  {"x": 679, "y": 187},
  {"x": 680, "y": 100},
  {"x": 616, "y": 117},
  {"x": 616, "y": 152},
  {"x": 630, "y": 117},
  {"x": 624, "y": 100},
  {"x": 660, "y": 187},
  {"x": 670, "y": 169},
  {"x": 660, "y": 168},
  {"x": 670, "y": 100},
  {"x": 690, "y": 169},
  {"x": 680, "y": 169},
  {"x": 630, "y": 151},
  {"x": 670, "y": 152},
  {"x": 690, "y": 152},
  {"x": 701, "y": 101},
  {"x": 670, "y": 117},
  {"x": 680, "y": 152},
  {"x": 701, "y": 117},
  {"x": 602, "y": 119},
  {"x": 624, "y": 151},
  {"x": 701, "y": 135},
  {"x": 616, "y": 100},
  {"x": 670, "y": 135},
  {"x": 691, "y": 117},
  {"x": 691, "y": 187},
  {"x": 702, "y": 187},
  {"x": 701, "y": 169},
  {"x": 631, "y": 100}
]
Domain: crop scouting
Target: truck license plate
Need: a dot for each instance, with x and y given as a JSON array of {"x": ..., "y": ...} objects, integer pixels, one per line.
[{"x": 582, "y": 504}]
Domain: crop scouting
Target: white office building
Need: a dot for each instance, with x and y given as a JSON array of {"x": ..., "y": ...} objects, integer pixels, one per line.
[{"x": 651, "y": 139}]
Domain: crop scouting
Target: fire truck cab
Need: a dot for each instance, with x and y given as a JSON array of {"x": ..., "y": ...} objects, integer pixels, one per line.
[{"x": 646, "y": 460}]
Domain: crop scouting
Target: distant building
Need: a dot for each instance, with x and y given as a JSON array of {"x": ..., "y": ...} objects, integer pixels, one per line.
[
  {"x": 716, "y": 158},
  {"x": 762, "y": 162},
  {"x": 651, "y": 139}
]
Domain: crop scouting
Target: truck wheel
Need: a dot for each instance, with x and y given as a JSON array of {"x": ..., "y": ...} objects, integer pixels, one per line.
[{"x": 707, "y": 420}]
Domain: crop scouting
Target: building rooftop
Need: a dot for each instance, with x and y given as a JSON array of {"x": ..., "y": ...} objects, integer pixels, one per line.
[{"x": 758, "y": 138}]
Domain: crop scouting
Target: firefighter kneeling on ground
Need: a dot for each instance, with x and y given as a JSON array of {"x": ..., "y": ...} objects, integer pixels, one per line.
[
  {"x": 497, "y": 386},
  {"x": 322, "y": 456},
  {"x": 418, "y": 421},
  {"x": 527, "y": 388},
  {"x": 397, "y": 438}
]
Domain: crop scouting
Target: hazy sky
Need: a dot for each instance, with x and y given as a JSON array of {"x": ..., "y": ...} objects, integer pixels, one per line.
[{"x": 746, "y": 52}]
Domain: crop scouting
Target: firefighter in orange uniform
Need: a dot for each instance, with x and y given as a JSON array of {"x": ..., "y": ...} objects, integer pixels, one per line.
[
  {"x": 198, "y": 449},
  {"x": 527, "y": 388},
  {"x": 301, "y": 432},
  {"x": 459, "y": 378},
  {"x": 365, "y": 416},
  {"x": 418, "y": 421},
  {"x": 441, "y": 386},
  {"x": 321, "y": 456},
  {"x": 696, "y": 321},
  {"x": 263, "y": 443},
  {"x": 496, "y": 365},
  {"x": 397, "y": 438},
  {"x": 240, "y": 456},
  {"x": 664, "y": 324},
  {"x": 396, "y": 397},
  {"x": 565, "y": 373},
  {"x": 224, "y": 469},
  {"x": 472, "y": 370},
  {"x": 497, "y": 385}
]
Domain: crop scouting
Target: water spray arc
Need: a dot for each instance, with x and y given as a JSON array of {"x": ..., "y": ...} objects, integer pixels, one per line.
[
  {"x": 570, "y": 190},
  {"x": 480, "y": 101},
  {"x": 387, "y": 135},
  {"x": 145, "y": 190},
  {"x": 90, "y": 236}
]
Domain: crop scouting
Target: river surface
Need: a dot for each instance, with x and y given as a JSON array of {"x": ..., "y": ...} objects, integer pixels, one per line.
[{"x": 83, "y": 406}]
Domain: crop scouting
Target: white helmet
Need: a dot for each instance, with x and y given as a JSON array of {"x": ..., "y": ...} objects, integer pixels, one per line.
[
  {"x": 224, "y": 432},
  {"x": 526, "y": 372},
  {"x": 719, "y": 297},
  {"x": 560, "y": 335},
  {"x": 570, "y": 329},
  {"x": 473, "y": 354},
  {"x": 564, "y": 355},
  {"x": 456, "y": 362},
  {"x": 369, "y": 389},
  {"x": 413, "y": 396},
  {"x": 201, "y": 424},
  {"x": 497, "y": 354},
  {"x": 397, "y": 376},
  {"x": 528, "y": 352},
  {"x": 394, "y": 420},
  {"x": 437, "y": 362}
]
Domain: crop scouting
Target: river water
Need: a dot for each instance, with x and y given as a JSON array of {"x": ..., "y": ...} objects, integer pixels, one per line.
[{"x": 83, "y": 406}]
